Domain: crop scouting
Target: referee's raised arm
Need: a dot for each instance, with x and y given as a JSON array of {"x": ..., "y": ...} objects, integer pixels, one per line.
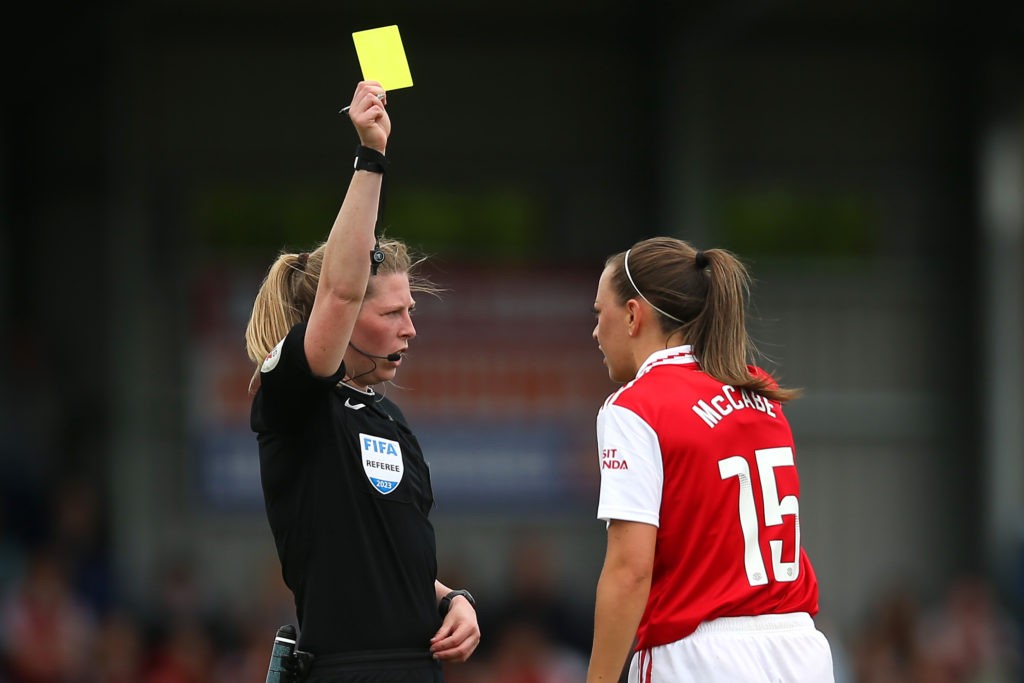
[{"x": 346, "y": 263}]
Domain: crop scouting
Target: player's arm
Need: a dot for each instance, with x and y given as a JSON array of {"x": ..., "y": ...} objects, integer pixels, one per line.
[
  {"x": 346, "y": 264},
  {"x": 622, "y": 592},
  {"x": 459, "y": 634}
]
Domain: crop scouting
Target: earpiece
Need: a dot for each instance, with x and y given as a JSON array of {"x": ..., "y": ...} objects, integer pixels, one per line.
[{"x": 376, "y": 258}]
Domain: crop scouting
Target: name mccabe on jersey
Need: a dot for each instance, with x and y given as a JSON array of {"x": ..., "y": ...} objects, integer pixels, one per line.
[{"x": 729, "y": 400}]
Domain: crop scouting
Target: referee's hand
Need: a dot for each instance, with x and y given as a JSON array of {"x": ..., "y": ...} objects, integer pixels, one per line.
[
  {"x": 459, "y": 634},
  {"x": 369, "y": 116}
]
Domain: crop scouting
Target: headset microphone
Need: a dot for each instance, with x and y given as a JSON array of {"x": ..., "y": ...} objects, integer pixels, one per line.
[{"x": 391, "y": 357}]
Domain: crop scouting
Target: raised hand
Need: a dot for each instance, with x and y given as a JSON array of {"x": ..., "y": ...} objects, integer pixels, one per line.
[{"x": 369, "y": 116}]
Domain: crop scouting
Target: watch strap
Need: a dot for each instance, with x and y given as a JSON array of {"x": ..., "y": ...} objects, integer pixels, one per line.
[
  {"x": 369, "y": 159},
  {"x": 446, "y": 601}
]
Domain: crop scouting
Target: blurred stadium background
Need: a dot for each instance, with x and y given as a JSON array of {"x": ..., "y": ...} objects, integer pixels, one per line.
[{"x": 865, "y": 158}]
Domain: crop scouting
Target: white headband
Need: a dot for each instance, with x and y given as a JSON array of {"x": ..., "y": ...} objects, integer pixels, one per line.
[{"x": 667, "y": 315}]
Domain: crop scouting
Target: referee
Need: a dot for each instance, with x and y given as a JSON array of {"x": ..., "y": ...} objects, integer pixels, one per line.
[{"x": 346, "y": 489}]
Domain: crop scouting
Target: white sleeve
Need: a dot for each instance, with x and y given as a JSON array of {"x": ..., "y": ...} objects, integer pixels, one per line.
[{"x": 632, "y": 473}]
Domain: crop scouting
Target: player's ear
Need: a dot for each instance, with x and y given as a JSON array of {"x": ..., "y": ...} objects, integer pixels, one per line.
[{"x": 633, "y": 315}]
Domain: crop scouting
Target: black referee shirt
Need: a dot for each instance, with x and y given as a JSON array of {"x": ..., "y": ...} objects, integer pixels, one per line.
[{"x": 347, "y": 494}]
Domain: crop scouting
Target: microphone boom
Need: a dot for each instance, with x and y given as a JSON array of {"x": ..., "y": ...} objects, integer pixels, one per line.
[{"x": 391, "y": 357}]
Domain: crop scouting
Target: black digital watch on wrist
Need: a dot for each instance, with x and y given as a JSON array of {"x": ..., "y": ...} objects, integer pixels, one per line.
[
  {"x": 369, "y": 159},
  {"x": 446, "y": 601}
]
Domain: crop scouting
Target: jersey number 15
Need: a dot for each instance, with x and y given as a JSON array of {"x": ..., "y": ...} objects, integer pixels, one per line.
[{"x": 774, "y": 508}]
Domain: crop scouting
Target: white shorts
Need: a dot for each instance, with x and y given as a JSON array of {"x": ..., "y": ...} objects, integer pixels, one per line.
[{"x": 772, "y": 648}]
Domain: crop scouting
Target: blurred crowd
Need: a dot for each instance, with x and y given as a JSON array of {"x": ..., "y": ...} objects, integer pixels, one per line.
[
  {"x": 967, "y": 636},
  {"x": 62, "y": 619}
]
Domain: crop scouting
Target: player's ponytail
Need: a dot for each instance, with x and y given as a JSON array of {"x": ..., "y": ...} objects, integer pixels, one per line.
[
  {"x": 722, "y": 344},
  {"x": 703, "y": 296}
]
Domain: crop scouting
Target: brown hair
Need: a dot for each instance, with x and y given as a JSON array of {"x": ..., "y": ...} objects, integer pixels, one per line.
[
  {"x": 286, "y": 295},
  {"x": 702, "y": 295}
]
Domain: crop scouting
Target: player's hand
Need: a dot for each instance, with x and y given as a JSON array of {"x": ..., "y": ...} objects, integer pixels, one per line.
[
  {"x": 459, "y": 634},
  {"x": 369, "y": 115}
]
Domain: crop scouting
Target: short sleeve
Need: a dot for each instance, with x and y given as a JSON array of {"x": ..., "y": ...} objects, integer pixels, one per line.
[
  {"x": 288, "y": 388},
  {"x": 632, "y": 472}
]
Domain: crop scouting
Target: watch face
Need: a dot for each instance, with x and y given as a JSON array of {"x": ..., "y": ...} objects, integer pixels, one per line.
[{"x": 446, "y": 601}]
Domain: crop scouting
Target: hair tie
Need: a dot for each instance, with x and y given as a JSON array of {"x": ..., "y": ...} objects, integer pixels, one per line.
[
  {"x": 303, "y": 257},
  {"x": 700, "y": 259}
]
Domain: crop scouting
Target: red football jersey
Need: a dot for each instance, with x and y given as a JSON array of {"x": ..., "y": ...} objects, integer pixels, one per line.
[{"x": 713, "y": 468}]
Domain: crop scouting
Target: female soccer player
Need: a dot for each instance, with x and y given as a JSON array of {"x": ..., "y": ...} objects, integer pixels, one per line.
[{"x": 699, "y": 487}]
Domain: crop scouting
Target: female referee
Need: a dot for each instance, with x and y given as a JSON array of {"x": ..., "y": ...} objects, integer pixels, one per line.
[
  {"x": 703, "y": 567},
  {"x": 346, "y": 488}
]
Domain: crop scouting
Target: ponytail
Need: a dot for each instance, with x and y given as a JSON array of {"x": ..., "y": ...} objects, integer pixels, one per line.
[
  {"x": 285, "y": 298},
  {"x": 701, "y": 295}
]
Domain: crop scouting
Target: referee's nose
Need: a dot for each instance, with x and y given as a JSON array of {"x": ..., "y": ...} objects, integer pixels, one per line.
[{"x": 408, "y": 330}]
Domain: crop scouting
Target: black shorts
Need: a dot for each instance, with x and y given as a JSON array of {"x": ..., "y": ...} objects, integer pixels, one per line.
[{"x": 379, "y": 666}]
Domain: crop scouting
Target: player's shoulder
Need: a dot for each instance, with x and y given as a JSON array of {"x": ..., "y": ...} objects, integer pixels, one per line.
[
  {"x": 614, "y": 396},
  {"x": 629, "y": 392},
  {"x": 653, "y": 387}
]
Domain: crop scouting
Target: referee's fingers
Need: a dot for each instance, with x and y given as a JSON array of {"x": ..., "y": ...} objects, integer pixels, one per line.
[
  {"x": 446, "y": 639},
  {"x": 455, "y": 642},
  {"x": 459, "y": 653}
]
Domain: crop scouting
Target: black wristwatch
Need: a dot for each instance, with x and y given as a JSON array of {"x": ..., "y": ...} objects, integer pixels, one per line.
[{"x": 446, "y": 601}]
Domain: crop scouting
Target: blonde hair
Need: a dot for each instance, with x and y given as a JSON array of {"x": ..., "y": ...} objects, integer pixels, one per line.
[{"x": 286, "y": 296}]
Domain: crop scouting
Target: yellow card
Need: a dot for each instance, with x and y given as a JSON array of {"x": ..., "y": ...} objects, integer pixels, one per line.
[{"x": 382, "y": 57}]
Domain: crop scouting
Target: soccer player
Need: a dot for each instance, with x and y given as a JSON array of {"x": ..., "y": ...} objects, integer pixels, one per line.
[{"x": 699, "y": 489}]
